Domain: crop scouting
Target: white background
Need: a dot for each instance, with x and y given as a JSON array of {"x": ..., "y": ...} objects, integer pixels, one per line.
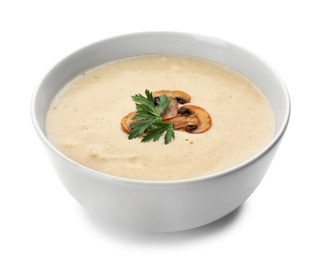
[{"x": 40, "y": 220}]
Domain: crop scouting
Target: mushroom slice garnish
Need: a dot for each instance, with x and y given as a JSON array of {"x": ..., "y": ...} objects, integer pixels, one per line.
[
  {"x": 171, "y": 111},
  {"x": 176, "y": 96},
  {"x": 184, "y": 123},
  {"x": 192, "y": 119},
  {"x": 127, "y": 121},
  {"x": 189, "y": 118},
  {"x": 205, "y": 121}
]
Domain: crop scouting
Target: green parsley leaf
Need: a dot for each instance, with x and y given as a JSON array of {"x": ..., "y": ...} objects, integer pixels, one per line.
[
  {"x": 160, "y": 128},
  {"x": 148, "y": 123}
]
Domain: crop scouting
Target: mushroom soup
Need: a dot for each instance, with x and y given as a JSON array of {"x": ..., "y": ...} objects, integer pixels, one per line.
[{"x": 84, "y": 120}]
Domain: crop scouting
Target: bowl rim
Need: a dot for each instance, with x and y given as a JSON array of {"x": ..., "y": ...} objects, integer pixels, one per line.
[{"x": 89, "y": 171}]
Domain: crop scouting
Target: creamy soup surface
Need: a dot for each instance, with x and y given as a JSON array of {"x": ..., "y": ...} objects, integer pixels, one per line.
[{"x": 83, "y": 121}]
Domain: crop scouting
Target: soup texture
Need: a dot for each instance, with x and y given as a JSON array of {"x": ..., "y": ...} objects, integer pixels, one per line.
[{"x": 84, "y": 119}]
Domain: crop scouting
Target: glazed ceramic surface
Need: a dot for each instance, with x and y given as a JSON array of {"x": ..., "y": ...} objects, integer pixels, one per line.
[{"x": 168, "y": 205}]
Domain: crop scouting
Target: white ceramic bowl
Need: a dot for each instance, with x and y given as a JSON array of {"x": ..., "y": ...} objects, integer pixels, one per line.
[{"x": 169, "y": 205}]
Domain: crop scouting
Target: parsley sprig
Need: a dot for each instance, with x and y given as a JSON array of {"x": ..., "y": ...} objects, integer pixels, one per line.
[{"x": 148, "y": 123}]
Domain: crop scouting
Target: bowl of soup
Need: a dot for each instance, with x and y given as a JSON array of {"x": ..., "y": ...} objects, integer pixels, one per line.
[{"x": 226, "y": 112}]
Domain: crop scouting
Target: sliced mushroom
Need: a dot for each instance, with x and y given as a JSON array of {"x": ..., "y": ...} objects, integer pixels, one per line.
[
  {"x": 192, "y": 119},
  {"x": 184, "y": 123},
  {"x": 176, "y": 96},
  {"x": 171, "y": 110},
  {"x": 127, "y": 121},
  {"x": 189, "y": 118}
]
